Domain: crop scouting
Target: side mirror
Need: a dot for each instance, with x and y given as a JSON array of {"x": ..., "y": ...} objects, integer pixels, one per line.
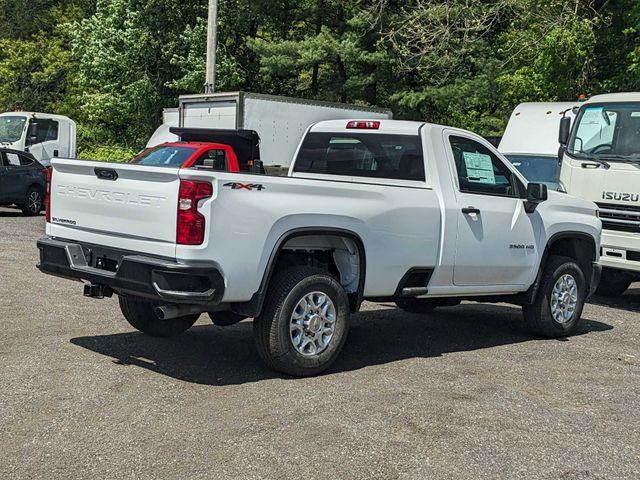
[
  {"x": 565, "y": 130},
  {"x": 536, "y": 193}
]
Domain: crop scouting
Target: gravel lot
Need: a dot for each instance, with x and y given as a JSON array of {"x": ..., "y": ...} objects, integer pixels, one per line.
[{"x": 465, "y": 393}]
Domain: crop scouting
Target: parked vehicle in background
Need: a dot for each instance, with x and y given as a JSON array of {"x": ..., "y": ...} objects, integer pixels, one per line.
[
  {"x": 23, "y": 181},
  {"x": 279, "y": 121},
  {"x": 601, "y": 162},
  {"x": 220, "y": 150},
  {"x": 530, "y": 140},
  {"x": 170, "y": 119},
  {"x": 413, "y": 213},
  {"x": 43, "y": 135}
]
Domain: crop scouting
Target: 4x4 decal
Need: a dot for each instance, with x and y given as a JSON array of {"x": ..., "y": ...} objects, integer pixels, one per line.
[{"x": 244, "y": 186}]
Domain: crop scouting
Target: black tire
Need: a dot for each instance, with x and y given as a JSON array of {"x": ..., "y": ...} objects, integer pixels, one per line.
[
  {"x": 226, "y": 318},
  {"x": 538, "y": 315},
  {"x": 418, "y": 305},
  {"x": 141, "y": 316},
  {"x": 272, "y": 329},
  {"x": 33, "y": 202},
  {"x": 613, "y": 283}
]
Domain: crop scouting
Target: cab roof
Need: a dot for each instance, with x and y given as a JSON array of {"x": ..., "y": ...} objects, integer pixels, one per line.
[
  {"x": 615, "y": 97},
  {"x": 394, "y": 127}
]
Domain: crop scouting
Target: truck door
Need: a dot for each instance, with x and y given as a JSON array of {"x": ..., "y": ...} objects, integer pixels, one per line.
[
  {"x": 46, "y": 144},
  {"x": 497, "y": 240}
]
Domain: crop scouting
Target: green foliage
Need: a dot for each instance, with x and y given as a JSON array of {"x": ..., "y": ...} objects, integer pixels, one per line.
[
  {"x": 113, "y": 153},
  {"x": 113, "y": 65}
]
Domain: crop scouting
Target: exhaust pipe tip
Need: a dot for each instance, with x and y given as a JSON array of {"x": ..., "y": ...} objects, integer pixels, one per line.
[
  {"x": 160, "y": 313},
  {"x": 169, "y": 312}
]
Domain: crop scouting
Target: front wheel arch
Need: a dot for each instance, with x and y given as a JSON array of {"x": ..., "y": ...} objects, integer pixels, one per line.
[{"x": 579, "y": 246}]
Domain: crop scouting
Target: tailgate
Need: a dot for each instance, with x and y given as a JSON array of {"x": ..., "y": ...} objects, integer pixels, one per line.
[{"x": 124, "y": 206}]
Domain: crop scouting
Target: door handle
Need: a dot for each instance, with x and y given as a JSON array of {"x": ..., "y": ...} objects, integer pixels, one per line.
[{"x": 471, "y": 210}]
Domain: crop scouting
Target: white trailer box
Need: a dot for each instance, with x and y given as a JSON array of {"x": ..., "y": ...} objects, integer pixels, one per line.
[{"x": 279, "y": 121}]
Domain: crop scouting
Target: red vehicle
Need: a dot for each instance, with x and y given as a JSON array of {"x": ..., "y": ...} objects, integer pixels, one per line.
[{"x": 222, "y": 150}]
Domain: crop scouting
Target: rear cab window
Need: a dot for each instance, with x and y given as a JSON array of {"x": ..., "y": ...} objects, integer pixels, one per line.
[{"x": 352, "y": 154}]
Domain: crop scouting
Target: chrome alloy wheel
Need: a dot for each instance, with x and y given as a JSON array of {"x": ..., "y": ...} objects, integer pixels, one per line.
[
  {"x": 313, "y": 323},
  {"x": 564, "y": 299},
  {"x": 34, "y": 202}
]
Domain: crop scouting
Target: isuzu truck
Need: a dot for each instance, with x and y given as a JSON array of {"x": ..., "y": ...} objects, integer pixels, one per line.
[
  {"x": 388, "y": 211},
  {"x": 43, "y": 135},
  {"x": 600, "y": 158}
]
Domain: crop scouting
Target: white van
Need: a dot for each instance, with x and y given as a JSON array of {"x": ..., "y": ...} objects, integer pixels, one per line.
[{"x": 530, "y": 141}]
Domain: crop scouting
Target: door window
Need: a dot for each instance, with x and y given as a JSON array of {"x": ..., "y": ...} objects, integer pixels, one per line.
[
  {"x": 46, "y": 130},
  {"x": 213, "y": 159},
  {"x": 12, "y": 159},
  {"x": 480, "y": 171}
]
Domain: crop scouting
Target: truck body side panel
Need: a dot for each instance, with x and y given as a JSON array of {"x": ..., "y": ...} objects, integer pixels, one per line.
[{"x": 398, "y": 225}]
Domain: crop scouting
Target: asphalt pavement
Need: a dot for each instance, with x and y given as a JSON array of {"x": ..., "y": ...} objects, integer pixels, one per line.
[{"x": 463, "y": 393}]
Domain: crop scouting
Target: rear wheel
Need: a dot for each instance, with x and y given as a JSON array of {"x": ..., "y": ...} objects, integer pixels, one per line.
[
  {"x": 141, "y": 316},
  {"x": 613, "y": 283},
  {"x": 557, "y": 309},
  {"x": 304, "y": 323},
  {"x": 33, "y": 202}
]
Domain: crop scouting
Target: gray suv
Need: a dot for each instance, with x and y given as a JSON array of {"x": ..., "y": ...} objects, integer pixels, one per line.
[{"x": 23, "y": 181}]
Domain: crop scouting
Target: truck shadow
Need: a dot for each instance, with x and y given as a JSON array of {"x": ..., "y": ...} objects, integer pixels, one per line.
[
  {"x": 217, "y": 356},
  {"x": 630, "y": 301}
]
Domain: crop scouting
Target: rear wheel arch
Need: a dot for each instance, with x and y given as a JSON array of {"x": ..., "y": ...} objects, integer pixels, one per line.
[{"x": 286, "y": 253}]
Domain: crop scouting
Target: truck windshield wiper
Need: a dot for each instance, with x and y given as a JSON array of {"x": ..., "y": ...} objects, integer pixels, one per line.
[{"x": 622, "y": 158}]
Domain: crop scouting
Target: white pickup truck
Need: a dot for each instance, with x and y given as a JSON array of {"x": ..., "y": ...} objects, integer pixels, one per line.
[{"x": 390, "y": 211}]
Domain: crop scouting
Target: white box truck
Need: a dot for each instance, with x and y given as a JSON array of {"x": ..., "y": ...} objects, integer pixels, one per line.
[
  {"x": 44, "y": 135},
  {"x": 279, "y": 121},
  {"x": 601, "y": 162}
]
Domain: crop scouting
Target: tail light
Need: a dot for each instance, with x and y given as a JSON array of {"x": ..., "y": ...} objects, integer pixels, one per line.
[
  {"x": 47, "y": 197},
  {"x": 191, "y": 223}
]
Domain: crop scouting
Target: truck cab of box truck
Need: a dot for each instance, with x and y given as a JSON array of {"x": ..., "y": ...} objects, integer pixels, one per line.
[
  {"x": 600, "y": 161},
  {"x": 43, "y": 135},
  {"x": 530, "y": 140}
]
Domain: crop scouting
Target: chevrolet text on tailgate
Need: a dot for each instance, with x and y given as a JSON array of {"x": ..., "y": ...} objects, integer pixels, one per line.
[{"x": 389, "y": 211}]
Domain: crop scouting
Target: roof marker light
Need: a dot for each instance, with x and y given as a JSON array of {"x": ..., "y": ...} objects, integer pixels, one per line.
[{"x": 363, "y": 125}]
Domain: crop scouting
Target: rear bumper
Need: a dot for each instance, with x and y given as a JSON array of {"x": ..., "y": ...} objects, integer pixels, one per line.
[{"x": 128, "y": 273}]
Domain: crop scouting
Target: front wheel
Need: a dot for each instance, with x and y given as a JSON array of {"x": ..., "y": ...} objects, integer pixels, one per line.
[
  {"x": 33, "y": 202},
  {"x": 141, "y": 315},
  {"x": 558, "y": 306},
  {"x": 304, "y": 323}
]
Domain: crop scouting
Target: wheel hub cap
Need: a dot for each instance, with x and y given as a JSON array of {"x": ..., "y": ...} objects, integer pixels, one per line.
[
  {"x": 313, "y": 323},
  {"x": 564, "y": 299}
]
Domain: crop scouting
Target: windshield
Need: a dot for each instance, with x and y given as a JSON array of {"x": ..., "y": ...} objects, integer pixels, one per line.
[
  {"x": 607, "y": 132},
  {"x": 168, "y": 156},
  {"x": 536, "y": 168},
  {"x": 11, "y": 128}
]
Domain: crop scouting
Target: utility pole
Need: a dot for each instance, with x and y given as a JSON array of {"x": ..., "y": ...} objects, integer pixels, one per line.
[{"x": 212, "y": 39}]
